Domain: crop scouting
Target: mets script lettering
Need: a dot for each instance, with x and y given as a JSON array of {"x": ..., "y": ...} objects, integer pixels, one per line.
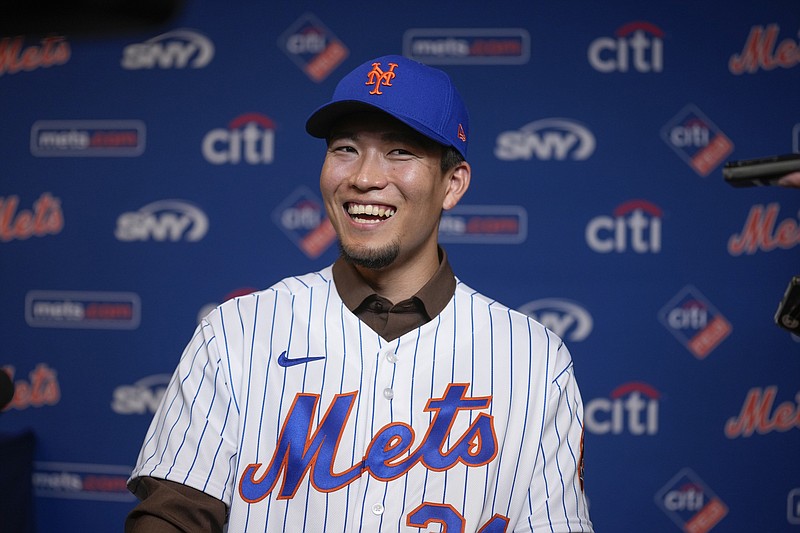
[
  {"x": 378, "y": 77},
  {"x": 300, "y": 452}
]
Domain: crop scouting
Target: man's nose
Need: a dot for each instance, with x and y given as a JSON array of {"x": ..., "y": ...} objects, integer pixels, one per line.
[{"x": 371, "y": 174}]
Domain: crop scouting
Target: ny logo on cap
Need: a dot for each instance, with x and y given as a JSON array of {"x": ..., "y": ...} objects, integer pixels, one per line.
[{"x": 378, "y": 77}]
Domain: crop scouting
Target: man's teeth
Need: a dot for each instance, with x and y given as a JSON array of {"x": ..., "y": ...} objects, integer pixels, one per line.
[{"x": 369, "y": 209}]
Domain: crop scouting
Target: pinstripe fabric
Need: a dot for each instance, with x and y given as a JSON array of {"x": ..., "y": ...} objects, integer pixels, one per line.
[{"x": 503, "y": 384}]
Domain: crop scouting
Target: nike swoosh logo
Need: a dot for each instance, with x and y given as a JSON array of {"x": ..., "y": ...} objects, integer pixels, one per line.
[{"x": 285, "y": 362}]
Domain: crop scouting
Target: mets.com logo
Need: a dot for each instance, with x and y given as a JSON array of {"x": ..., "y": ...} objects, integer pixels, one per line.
[
  {"x": 87, "y": 138},
  {"x": 484, "y": 224},
  {"x": 467, "y": 46},
  {"x": 82, "y": 310},
  {"x": 82, "y": 481}
]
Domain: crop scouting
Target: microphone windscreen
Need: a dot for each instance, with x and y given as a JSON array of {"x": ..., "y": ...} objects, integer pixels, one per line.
[{"x": 6, "y": 389}]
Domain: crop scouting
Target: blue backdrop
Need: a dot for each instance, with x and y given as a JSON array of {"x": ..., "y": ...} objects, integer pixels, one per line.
[{"x": 150, "y": 174}]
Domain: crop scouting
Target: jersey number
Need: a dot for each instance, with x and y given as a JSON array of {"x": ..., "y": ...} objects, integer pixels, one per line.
[{"x": 450, "y": 519}]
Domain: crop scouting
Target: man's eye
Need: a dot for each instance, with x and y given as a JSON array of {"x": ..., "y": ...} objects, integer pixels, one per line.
[{"x": 343, "y": 148}]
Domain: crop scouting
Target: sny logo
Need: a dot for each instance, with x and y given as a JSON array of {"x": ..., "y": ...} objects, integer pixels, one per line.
[
  {"x": 378, "y": 77},
  {"x": 549, "y": 138},
  {"x": 164, "y": 220},
  {"x": 567, "y": 319},
  {"x": 170, "y": 50}
]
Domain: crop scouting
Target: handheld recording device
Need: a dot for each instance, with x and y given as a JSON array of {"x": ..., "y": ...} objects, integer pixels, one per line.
[
  {"x": 788, "y": 313},
  {"x": 760, "y": 172}
]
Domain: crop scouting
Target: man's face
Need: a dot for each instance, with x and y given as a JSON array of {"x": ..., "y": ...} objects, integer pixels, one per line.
[{"x": 384, "y": 190}]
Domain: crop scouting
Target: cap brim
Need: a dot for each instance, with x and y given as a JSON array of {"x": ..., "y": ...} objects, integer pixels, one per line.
[{"x": 321, "y": 121}]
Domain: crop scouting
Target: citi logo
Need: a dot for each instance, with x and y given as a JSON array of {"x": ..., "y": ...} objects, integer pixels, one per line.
[
  {"x": 631, "y": 408},
  {"x": 547, "y": 139},
  {"x": 634, "y": 225},
  {"x": 164, "y": 220},
  {"x": 175, "y": 49},
  {"x": 249, "y": 138},
  {"x": 142, "y": 397},
  {"x": 567, "y": 319},
  {"x": 637, "y": 46}
]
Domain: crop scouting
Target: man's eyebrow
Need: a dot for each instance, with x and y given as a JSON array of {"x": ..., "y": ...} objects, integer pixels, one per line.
[{"x": 343, "y": 134}]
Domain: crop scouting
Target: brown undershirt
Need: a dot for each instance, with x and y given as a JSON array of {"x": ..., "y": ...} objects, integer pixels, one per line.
[{"x": 169, "y": 507}]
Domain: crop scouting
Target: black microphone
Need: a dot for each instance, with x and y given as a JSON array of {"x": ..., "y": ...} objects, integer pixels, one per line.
[{"x": 6, "y": 389}]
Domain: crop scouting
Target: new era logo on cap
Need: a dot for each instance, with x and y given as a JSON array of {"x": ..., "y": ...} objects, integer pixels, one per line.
[{"x": 420, "y": 96}]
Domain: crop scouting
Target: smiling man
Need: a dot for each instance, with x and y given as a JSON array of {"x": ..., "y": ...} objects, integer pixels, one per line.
[{"x": 380, "y": 393}]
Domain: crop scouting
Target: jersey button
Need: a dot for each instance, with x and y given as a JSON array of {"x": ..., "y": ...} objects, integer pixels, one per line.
[
  {"x": 388, "y": 393},
  {"x": 391, "y": 357},
  {"x": 377, "y": 509}
]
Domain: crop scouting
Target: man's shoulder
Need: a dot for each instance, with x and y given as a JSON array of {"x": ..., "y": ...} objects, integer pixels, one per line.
[
  {"x": 497, "y": 309},
  {"x": 289, "y": 286}
]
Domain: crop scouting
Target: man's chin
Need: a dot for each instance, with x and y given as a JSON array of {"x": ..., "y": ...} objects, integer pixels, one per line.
[{"x": 371, "y": 258}]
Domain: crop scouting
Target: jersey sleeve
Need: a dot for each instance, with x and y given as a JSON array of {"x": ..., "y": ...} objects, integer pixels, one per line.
[
  {"x": 556, "y": 499},
  {"x": 191, "y": 439}
]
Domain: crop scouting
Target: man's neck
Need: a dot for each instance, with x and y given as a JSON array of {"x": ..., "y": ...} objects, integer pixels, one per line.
[{"x": 398, "y": 282}]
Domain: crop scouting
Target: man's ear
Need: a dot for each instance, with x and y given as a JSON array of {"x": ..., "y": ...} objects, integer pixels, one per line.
[{"x": 458, "y": 182}]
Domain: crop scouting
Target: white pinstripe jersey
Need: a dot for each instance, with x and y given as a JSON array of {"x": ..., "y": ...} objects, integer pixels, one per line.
[{"x": 301, "y": 418}]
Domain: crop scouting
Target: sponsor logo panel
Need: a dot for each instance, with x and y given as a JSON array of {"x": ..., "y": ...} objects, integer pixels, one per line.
[
  {"x": 546, "y": 139},
  {"x": 637, "y": 46},
  {"x": 301, "y": 216},
  {"x": 313, "y": 47},
  {"x": 759, "y": 414},
  {"x": 45, "y": 218},
  {"x": 163, "y": 220},
  {"x": 688, "y": 501},
  {"x": 764, "y": 51},
  {"x": 39, "y": 389},
  {"x": 82, "y": 310},
  {"x": 143, "y": 397},
  {"x": 695, "y": 322},
  {"x": 632, "y": 408},
  {"x": 467, "y": 46},
  {"x": 16, "y": 57},
  {"x": 697, "y": 140},
  {"x": 176, "y": 49},
  {"x": 760, "y": 233},
  {"x": 567, "y": 319},
  {"x": 81, "y": 481},
  {"x": 633, "y": 225},
  {"x": 88, "y": 138},
  {"x": 249, "y": 138},
  {"x": 484, "y": 224},
  {"x": 793, "y": 506}
]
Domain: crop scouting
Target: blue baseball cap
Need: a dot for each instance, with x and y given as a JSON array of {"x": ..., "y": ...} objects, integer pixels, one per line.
[{"x": 420, "y": 96}]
